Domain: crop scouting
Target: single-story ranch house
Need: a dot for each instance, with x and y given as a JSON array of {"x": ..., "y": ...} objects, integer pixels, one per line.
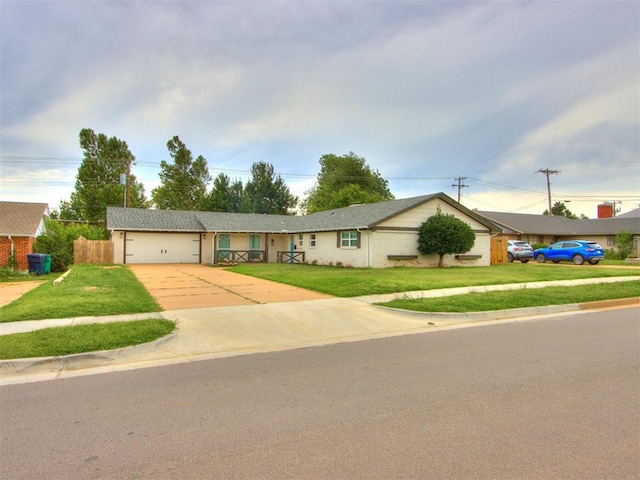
[
  {"x": 548, "y": 229},
  {"x": 373, "y": 235}
]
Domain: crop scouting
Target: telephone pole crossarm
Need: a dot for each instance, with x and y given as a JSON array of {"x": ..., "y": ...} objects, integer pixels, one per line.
[
  {"x": 548, "y": 172},
  {"x": 459, "y": 185}
]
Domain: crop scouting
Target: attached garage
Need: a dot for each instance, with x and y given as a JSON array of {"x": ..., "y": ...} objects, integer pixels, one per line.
[{"x": 159, "y": 247}]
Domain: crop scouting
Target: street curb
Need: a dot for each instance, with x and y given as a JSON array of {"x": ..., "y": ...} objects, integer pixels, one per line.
[
  {"x": 77, "y": 361},
  {"x": 469, "y": 317},
  {"x": 59, "y": 364}
]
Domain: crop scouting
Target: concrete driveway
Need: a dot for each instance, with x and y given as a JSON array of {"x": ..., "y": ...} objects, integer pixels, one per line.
[
  {"x": 11, "y": 291},
  {"x": 187, "y": 286}
]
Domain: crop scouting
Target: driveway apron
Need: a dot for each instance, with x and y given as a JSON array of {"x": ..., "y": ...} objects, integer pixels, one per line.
[
  {"x": 13, "y": 290},
  {"x": 188, "y": 286}
]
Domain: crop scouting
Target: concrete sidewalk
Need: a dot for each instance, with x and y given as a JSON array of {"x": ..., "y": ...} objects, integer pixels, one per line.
[{"x": 205, "y": 333}]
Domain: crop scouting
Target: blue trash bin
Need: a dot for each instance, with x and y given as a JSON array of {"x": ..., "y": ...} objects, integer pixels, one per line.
[{"x": 36, "y": 263}]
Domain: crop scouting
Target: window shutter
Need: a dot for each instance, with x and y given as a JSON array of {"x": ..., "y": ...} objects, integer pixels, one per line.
[
  {"x": 359, "y": 235},
  {"x": 338, "y": 239}
]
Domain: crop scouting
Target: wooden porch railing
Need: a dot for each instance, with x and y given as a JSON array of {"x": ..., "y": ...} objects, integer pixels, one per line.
[
  {"x": 290, "y": 257},
  {"x": 240, "y": 256}
]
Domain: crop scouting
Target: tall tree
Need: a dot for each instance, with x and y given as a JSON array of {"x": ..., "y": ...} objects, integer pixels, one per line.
[
  {"x": 343, "y": 181},
  {"x": 224, "y": 196},
  {"x": 105, "y": 159},
  {"x": 445, "y": 234},
  {"x": 266, "y": 192},
  {"x": 559, "y": 209},
  {"x": 184, "y": 182}
]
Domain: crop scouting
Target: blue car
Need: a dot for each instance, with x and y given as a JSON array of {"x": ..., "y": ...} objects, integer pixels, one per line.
[{"x": 576, "y": 251}]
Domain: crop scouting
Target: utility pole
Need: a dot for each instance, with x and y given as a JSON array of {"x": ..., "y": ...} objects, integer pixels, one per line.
[
  {"x": 127, "y": 184},
  {"x": 614, "y": 203},
  {"x": 459, "y": 185},
  {"x": 548, "y": 172}
]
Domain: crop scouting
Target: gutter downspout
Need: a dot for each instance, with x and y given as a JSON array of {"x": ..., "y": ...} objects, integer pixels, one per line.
[
  {"x": 12, "y": 250},
  {"x": 368, "y": 256},
  {"x": 213, "y": 247}
]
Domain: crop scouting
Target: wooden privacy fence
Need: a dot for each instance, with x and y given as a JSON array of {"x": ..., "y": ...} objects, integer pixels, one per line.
[
  {"x": 499, "y": 250},
  {"x": 92, "y": 251}
]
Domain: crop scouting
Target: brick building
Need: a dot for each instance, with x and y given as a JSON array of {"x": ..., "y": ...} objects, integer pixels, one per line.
[{"x": 20, "y": 225}]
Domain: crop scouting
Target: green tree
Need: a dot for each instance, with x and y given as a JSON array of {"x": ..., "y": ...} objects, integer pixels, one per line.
[
  {"x": 98, "y": 179},
  {"x": 445, "y": 234},
  {"x": 58, "y": 241},
  {"x": 266, "y": 192},
  {"x": 184, "y": 182},
  {"x": 224, "y": 196},
  {"x": 624, "y": 244},
  {"x": 343, "y": 181},
  {"x": 559, "y": 209}
]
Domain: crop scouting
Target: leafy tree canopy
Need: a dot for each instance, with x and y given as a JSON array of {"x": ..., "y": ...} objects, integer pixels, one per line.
[
  {"x": 183, "y": 182},
  {"x": 445, "y": 234},
  {"x": 58, "y": 241},
  {"x": 559, "y": 209},
  {"x": 225, "y": 196},
  {"x": 343, "y": 181},
  {"x": 266, "y": 192},
  {"x": 98, "y": 179}
]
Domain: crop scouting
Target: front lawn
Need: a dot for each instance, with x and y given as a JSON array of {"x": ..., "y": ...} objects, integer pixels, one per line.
[
  {"x": 353, "y": 282},
  {"x": 57, "y": 341},
  {"x": 88, "y": 290},
  {"x": 521, "y": 298}
]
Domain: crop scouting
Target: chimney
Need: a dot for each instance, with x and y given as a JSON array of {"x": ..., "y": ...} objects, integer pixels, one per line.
[{"x": 605, "y": 210}]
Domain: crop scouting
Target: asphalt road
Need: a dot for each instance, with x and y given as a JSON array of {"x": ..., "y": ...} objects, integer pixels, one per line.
[{"x": 541, "y": 399}]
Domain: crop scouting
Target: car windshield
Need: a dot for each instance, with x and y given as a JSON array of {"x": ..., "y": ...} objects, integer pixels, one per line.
[
  {"x": 593, "y": 245},
  {"x": 521, "y": 244}
]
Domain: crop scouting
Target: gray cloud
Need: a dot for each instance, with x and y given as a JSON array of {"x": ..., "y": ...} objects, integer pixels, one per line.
[{"x": 488, "y": 90}]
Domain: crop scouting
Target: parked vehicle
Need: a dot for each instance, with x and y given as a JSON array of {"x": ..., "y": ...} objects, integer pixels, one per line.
[
  {"x": 576, "y": 251},
  {"x": 519, "y": 250}
]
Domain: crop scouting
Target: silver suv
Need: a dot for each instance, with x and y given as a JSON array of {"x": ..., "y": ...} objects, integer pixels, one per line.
[{"x": 519, "y": 250}]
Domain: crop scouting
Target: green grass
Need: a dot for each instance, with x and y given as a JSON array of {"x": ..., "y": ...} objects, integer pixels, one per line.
[
  {"x": 8, "y": 275},
  {"x": 51, "y": 342},
  {"x": 352, "y": 282},
  {"x": 533, "y": 297},
  {"x": 88, "y": 290}
]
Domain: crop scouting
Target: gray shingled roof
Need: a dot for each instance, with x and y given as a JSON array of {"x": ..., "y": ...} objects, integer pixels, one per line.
[
  {"x": 632, "y": 214},
  {"x": 520, "y": 224},
  {"x": 21, "y": 219},
  {"x": 357, "y": 216}
]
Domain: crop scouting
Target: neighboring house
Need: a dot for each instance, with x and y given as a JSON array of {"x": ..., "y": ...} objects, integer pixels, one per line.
[
  {"x": 20, "y": 225},
  {"x": 548, "y": 229},
  {"x": 374, "y": 235},
  {"x": 632, "y": 214}
]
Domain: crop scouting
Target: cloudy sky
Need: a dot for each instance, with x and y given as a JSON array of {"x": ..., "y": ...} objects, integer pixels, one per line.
[{"x": 426, "y": 91}]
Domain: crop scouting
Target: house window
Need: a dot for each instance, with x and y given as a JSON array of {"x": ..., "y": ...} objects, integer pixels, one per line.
[
  {"x": 300, "y": 239},
  {"x": 349, "y": 239},
  {"x": 312, "y": 240},
  {"x": 224, "y": 245},
  {"x": 254, "y": 242},
  {"x": 611, "y": 241},
  {"x": 254, "y": 247}
]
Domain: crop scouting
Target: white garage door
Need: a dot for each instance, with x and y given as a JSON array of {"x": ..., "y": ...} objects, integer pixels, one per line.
[{"x": 145, "y": 247}]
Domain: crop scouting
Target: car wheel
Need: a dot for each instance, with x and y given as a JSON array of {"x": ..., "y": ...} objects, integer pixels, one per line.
[
  {"x": 541, "y": 258},
  {"x": 525, "y": 260},
  {"x": 594, "y": 262},
  {"x": 578, "y": 259},
  {"x": 509, "y": 258}
]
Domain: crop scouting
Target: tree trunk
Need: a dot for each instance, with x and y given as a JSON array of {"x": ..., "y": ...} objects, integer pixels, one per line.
[{"x": 441, "y": 260}]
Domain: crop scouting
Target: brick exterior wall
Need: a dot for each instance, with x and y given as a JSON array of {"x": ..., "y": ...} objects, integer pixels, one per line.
[{"x": 23, "y": 246}]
